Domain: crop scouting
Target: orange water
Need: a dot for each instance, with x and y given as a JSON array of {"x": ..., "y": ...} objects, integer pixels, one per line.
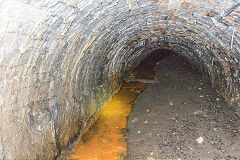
[{"x": 104, "y": 140}]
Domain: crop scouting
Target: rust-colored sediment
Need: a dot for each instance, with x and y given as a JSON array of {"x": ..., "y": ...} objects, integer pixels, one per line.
[{"x": 104, "y": 140}]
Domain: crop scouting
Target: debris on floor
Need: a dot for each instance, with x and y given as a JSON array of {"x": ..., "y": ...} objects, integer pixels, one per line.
[
  {"x": 199, "y": 140},
  {"x": 199, "y": 126}
]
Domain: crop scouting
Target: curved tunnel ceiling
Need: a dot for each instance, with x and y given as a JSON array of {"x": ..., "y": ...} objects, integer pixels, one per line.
[{"x": 60, "y": 61}]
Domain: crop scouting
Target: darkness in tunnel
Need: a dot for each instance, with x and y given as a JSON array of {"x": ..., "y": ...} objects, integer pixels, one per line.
[{"x": 146, "y": 69}]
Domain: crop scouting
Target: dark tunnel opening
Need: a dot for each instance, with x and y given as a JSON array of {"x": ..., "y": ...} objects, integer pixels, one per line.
[{"x": 146, "y": 69}]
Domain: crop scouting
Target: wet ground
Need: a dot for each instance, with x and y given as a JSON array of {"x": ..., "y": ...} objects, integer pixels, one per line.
[
  {"x": 180, "y": 116},
  {"x": 106, "y": 138}
]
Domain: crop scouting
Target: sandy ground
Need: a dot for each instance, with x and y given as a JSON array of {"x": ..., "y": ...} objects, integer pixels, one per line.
[{"x": 181, "y": 117}]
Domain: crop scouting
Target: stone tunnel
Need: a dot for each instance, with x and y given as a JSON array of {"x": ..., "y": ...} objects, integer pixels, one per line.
[{"x": 60, "y": 61}]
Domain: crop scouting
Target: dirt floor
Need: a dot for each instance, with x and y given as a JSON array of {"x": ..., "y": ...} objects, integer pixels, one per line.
[{"x": 180, "y": 116}]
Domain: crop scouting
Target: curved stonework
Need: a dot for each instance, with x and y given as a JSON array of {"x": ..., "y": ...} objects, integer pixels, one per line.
[{"x": 60, "y": 61}]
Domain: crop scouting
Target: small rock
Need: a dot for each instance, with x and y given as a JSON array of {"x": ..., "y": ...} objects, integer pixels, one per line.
[
  {"x": 150, "y": 158},
  {"x": 198, "y": 112},
  {"x": 199, "y": 140},
  {"x": 134, "y": 120},
  {"x": 39, "y": 128},
  {"x": 138, "y": 91}
]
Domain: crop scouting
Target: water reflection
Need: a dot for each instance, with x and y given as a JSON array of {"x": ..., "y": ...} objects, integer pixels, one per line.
[{"x": 105, "y": 140}]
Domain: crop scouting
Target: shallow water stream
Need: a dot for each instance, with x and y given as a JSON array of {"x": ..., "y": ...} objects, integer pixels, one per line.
[{"x": 106, "y": 139}]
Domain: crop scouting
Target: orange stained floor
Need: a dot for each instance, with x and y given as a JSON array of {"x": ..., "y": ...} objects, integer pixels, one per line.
[{"x": 105, "y": 139}]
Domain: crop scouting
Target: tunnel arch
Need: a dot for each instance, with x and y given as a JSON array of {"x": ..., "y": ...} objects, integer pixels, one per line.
[{"x": 60, "y": 61}]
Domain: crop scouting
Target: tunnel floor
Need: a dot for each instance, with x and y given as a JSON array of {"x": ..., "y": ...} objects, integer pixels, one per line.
[
  {"x": 181, "y": 116},
  {"x": 176, "y": 114}
]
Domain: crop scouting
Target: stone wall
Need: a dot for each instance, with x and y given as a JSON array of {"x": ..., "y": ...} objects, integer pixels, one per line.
[{"x": 61, "y": 60}]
